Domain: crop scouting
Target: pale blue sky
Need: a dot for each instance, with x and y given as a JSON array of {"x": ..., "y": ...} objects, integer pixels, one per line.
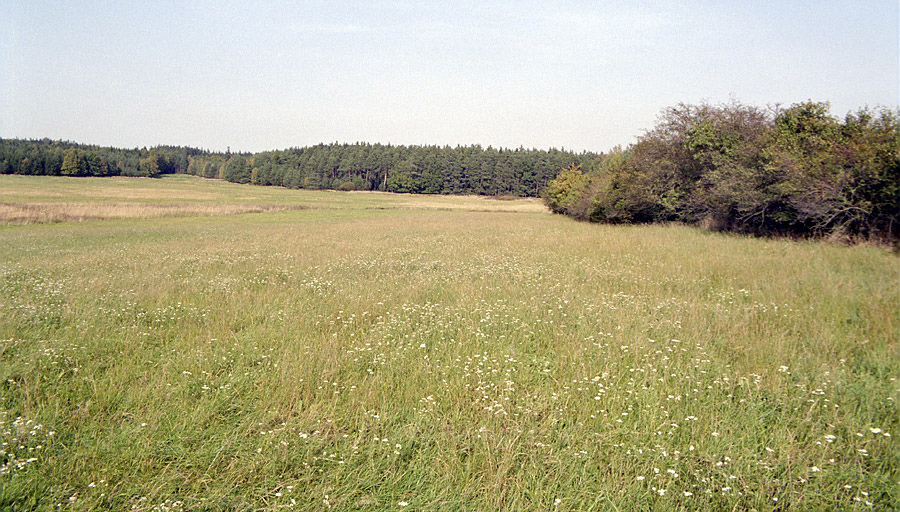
[{"x": 272, "y": 75}]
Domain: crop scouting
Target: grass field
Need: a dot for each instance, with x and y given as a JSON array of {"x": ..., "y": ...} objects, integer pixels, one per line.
[
  {"x": 365, "y": 351},
  {"x": 26, "y": 200}
]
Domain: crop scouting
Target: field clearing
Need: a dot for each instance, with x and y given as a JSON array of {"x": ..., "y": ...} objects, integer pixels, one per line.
[
  {"x": 47, "y": 199},
  {"x": 386, "y": 352}
]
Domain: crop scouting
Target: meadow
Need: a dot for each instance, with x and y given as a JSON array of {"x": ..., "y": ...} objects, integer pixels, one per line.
[{"x": 192, "y": 344}]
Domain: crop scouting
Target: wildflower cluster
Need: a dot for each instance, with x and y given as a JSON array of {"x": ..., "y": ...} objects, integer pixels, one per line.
[{"x": 22, "y": 443}]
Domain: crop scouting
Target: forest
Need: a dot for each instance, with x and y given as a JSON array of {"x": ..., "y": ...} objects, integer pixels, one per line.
[
  {"x": 795, "y": 171},
  {"x": 410, "y": 169}
]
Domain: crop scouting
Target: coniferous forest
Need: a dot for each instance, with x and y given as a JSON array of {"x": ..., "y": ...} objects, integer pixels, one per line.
[{"x": 405, "y": 169}]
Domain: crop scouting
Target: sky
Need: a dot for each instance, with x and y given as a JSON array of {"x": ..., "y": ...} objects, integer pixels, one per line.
[{"x": 579, "y": 75}]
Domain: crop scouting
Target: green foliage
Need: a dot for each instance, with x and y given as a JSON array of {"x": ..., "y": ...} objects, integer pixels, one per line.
[
  {"x": 796, "y": 171},
  {"x": 58, "y": 158},
  {"x": 83, "y": 163},
  {"x": 237, "y": 170},
  {"x": 412, "y": 169},
  {"x": 841, "y": 178},
  {"x": 149, "y": 166},
  {"x": 70, "y": 164},
  {"x": 564, "y": 193}
]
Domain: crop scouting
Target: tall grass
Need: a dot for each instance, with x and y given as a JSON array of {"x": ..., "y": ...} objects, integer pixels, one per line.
[{"x": 377, "y": 356}]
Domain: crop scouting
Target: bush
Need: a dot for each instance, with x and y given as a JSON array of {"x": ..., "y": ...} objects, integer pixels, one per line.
[{"x": 796, "y": 171}]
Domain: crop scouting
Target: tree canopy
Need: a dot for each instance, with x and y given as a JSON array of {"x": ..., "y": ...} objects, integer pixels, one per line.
[{"x": 790, "y": 171}]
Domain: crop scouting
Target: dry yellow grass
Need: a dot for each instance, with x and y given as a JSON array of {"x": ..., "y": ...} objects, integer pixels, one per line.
[
  {"x": 47, "y": 199},
  {"x": 38, "y": 213},
  {"x": 466, "y": 202}
]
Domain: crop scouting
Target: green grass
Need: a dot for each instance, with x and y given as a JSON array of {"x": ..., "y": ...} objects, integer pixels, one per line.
[{"x": 374, "y": 350}]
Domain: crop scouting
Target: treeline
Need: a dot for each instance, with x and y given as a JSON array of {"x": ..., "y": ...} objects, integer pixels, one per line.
[
  {"x": 59, "y": 158},
  {"x": 413, "y": 169},
  {"x": 409, "y": 169},
  {"x": 791, "y": 171}
]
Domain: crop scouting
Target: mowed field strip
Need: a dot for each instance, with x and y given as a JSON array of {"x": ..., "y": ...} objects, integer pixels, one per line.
[{"x": 259, "y": 348}]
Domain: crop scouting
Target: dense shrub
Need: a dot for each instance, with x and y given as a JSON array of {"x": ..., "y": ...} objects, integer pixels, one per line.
[{"x": 794, "y": 171}]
